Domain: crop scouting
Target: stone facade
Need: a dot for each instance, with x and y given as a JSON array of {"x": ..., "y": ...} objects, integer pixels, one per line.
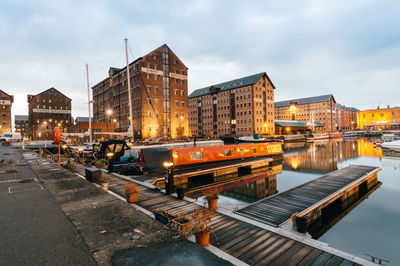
[
  {"x": 6, "y": 102},
  {"x": 240, "y": 107},
  {"x": 380, "y": 118},
  {"x": 47, "y": 110},
  {"x": 159, "y": 86}
]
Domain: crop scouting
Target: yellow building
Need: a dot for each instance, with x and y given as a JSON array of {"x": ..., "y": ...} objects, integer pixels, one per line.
[{"x": 385, "y": 118}]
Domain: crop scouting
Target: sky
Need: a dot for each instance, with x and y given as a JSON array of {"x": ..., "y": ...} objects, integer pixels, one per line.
[{"x": 350, "y": 49}]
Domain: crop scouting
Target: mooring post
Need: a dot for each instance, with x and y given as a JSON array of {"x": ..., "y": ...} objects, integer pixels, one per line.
[{"x": 169, "y": 178}]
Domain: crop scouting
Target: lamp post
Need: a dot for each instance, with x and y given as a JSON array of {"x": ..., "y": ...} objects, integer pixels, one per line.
[
  {"x": 169, "y": 177},
  {"x": 110, "y": 156},
  {"x": 109, "y": 112}
]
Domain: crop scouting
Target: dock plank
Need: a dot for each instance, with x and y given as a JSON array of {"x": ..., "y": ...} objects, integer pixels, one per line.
[{"x": 279, "y": 208}]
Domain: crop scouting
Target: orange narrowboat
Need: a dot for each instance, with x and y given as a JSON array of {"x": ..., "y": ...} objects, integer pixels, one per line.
[{"x": 153, "y": 159}]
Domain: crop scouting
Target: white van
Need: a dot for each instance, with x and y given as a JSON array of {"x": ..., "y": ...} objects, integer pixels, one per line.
[{"x": 11, "y": 137}]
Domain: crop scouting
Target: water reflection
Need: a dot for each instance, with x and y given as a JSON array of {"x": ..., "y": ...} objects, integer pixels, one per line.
[{"x": 323, "y": 157}]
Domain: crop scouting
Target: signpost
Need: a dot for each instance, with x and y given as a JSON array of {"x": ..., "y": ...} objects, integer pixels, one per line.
[{"x": 57, "y": 139}]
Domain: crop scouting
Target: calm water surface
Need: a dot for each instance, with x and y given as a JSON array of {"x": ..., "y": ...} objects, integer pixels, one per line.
[{"x": 373, "y": 227}]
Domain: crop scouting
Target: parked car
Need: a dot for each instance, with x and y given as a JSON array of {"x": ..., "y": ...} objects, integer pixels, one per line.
[{"x": 11, "y": 137}]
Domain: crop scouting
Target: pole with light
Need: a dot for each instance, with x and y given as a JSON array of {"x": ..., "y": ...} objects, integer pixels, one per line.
[{"x": 169, "y": 177}]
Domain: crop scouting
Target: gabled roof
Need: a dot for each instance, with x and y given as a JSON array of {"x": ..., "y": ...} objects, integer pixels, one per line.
[
  {"x": 30, "y": 97},
  {"x": 83, "y": 119},
  {"x": 232, "y": 84},
  {"x": 314, "y": 99},
  {"x": 21, "y": 118},
  {"x": 346, "y": 108},
  {"x": 6, "y": 93}
]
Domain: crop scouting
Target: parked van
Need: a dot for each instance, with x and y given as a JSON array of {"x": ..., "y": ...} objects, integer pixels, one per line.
[{"x": 11, "y": 137}]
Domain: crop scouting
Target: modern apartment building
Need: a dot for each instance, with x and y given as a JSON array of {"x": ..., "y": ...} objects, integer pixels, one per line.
[
  {"x": 159, "y": 86},
  {"x": 240, "y": 107},
  {"x": 380, "y": 118},
  {"x": 6, "y": 102},
  {"x": 47, "y": 110},
  {"x": 319, "y": 112},
  {"x": 346, "y": 117},
  {"x": 21, "y": 124}
]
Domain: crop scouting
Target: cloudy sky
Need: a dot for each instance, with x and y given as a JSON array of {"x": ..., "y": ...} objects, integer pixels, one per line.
[{"x": 348, "y": 48}]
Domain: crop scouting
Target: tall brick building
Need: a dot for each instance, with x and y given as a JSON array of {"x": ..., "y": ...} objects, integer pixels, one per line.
[
  {"x": 346, "y": 117},
  {"x": 240, "y": 107},
  {"x": 46, "y": 110},
  {"x": 159, "y": 86},
  {"x": 6, "y": 102},
  {"x": 317, "y": 110}
]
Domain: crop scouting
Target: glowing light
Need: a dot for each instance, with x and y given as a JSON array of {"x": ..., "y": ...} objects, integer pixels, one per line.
[
  {"x": 109, "y": 112},
  {"x": 294, "y": 163},
  {"x": 110, "y": 154},
  {"x": 168, "y": 164},
  {"x": 80, "y": 149},
  {"x": 64, "y": 146}
]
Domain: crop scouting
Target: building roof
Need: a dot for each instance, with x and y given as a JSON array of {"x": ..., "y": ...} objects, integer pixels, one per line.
[
  {"x": 30, "y": 97},
  {"x": 21, "y": 118},
  {"x": 342, "y": 107},
  {"x": 83, "y": 119},
  {"x": 314, "y": 99},
  {"x": 290, "y": 123},
  {"x": 232, "y": 84}
]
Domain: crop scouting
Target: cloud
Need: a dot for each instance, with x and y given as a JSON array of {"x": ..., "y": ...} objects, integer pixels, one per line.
[{"x": 350, "y": 49}]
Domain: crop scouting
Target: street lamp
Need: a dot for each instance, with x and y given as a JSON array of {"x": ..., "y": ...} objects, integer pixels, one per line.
[{"x": 109, "y": 112}]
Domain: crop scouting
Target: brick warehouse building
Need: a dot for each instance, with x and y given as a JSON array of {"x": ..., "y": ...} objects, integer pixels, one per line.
[
  {"x": 21, "y": 124},
  {"x": 239, "y": 107},
  {"x": 6, "y": 102},
  {"x": 159, "y": 82},
  {"x": 318, "y": 110},
  {"x": 346, "y": 117},
  {"x": 46, "y": 110}
]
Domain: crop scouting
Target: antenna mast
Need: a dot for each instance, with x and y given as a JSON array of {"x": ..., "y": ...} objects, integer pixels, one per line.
[{"x": 129, "y": 90}]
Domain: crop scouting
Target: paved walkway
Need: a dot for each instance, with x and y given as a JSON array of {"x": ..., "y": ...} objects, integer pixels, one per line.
[{"x": 34, "y": 230}]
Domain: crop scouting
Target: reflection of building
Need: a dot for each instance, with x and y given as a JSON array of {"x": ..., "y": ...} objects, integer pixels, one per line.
[
  {"x": 346, "y": 117},
  {"x": 386, "y": 118},
  {"x": 6, "y": 101},
  {"x": 322, "y": 157},
  {"x": 318, "y": 112},
  {"x": 48, "y": 109},
  {"x": 159, "y": 82},
  {"x": 258, "y": 189},
  {"x": 21, "y": 124},
  {"x": 239, "y": 107}
]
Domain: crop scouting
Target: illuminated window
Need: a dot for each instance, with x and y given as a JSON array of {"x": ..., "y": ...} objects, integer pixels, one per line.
[
  {"x": 228, "y": 153},
  {"x": 196, "y": 155}
]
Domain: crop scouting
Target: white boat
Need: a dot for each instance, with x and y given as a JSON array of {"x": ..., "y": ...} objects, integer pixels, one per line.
[{"x": 393, "y": 145}]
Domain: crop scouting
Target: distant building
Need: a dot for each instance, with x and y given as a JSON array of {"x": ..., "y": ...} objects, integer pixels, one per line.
[
  {"x": 47, "y": 110},
  {"x": 159, "y": 82},
  {"x": 380, "y": 118},
  {"x": 82, "y": 126},
  {"x": 21, "y": 124},
  {"x": 6, "y": 102},
  {"x": 318, "y": 112},
  {"x": 346, "y": 117},
  {"x": 240, "y": 107}
]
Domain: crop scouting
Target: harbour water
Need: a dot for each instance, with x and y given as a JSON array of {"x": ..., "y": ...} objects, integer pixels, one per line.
[{"x": 372, "y": 227}]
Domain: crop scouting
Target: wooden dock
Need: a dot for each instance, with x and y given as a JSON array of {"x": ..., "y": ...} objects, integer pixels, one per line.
[
  {"x": 308, "y": 199},
  {"x": 249, "y": 243}
]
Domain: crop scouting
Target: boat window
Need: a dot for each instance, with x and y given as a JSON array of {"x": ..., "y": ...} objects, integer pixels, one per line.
[
  {"x": 118, "y": 148},
  {"x": 254, "y": 150},
  {"x": 198, "y": 155},
  {"x": 228, "y": 153},
  {"x": 241, "y": 151}
]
